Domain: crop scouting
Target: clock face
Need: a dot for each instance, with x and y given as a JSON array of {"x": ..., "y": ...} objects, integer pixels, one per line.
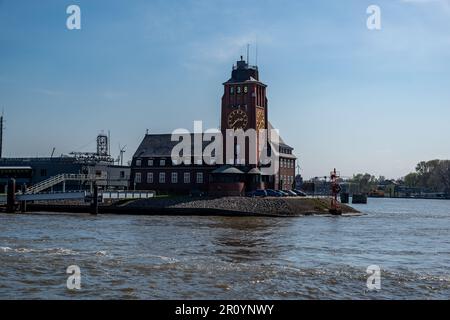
[
  {"x": 237, "y": 119},
  {"x": 260, "y": 119}
]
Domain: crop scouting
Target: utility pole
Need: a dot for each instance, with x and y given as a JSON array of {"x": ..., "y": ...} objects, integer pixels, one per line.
[{"x": 1, "y": 136}]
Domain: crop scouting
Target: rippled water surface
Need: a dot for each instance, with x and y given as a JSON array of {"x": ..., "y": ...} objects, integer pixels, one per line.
[{"x": 157, "y": 257}]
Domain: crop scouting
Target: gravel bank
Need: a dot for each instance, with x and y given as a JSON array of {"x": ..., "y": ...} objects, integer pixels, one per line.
[{"x": 295, "y": 206}]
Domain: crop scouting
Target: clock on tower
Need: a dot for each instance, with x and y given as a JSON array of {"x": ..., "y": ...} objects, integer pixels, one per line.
[{"x": 244, "y": 102}]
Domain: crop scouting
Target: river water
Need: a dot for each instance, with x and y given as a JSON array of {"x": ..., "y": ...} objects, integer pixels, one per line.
[{"x": 157, "y": 257}]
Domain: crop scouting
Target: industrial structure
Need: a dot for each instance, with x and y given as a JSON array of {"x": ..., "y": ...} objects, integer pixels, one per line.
[{"x": 77, "y": 171}]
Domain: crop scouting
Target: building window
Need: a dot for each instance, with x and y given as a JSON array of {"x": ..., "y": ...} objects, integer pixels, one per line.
[
  {"x": 138, "y": 162},
  {"x": 231, "y": 90},
  {"x": 149, "y": 177},
  {"x": 199, "y": 177},
  {"x": 238, "y": 90},
  {"x": 245, "y": 89},
  {"x": 150, "y": 162},
  {"x": 174, "y": 177},
  {"x": 187, "y": 177},
  {"x": 137, "y": 177},
  {"x": 122, "y": 174},
  {"x": 162, "y": 162},
  {"x": 162, "y": 177}
]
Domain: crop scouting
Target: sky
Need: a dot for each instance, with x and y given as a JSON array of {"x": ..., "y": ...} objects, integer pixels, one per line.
[{"x": 342, "y": 95}]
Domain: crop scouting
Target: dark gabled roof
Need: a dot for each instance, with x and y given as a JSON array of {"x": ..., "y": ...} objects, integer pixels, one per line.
[{"x": 161, "y": 145}]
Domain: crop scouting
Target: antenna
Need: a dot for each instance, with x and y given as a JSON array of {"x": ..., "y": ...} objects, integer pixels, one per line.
[
  {"x": 122, "y": 150},
  {"x": 256, "y": 54},
  {"x": 109, "y": 143},
  {"x": 1, "y": 134},
  {"x": 248, "y": 52}
]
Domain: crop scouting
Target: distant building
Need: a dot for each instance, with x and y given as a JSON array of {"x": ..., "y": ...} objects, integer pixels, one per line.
[{"x": 244, "y": 106}]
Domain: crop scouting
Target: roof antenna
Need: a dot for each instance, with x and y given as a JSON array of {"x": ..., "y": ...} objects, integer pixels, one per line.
[
  {"x": 256, "y": 54},
  {"x": 248, "y": 51}
]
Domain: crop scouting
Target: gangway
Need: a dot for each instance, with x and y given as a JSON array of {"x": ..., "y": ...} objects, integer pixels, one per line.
[{"x": 63, "y": 178}]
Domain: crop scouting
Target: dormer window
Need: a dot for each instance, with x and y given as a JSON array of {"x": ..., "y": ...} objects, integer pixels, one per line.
[{"x": 138, "y": 162}]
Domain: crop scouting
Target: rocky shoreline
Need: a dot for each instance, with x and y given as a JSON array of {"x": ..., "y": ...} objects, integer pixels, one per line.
[{"x": 231, "y": 206}]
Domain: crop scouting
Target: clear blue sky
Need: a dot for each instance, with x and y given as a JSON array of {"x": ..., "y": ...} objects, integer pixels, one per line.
[{"x": 341, "y": 95}]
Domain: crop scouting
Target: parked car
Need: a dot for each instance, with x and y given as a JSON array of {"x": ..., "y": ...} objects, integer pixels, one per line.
[
  {"x": 273, "y": 193},
  {"x": 283, "y": 193},
  {"x": 290, "y": 193},
  {"x": 299, "y": 193},
  {"x": 197, "y": 193},
  {"x": 257, "y": 193}
]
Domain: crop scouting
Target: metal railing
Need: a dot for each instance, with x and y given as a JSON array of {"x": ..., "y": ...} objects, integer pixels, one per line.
[{"x": 61, "y": 178}]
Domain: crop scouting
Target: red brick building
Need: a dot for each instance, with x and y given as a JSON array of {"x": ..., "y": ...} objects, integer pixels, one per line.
[{"x": 244, "y": 106}]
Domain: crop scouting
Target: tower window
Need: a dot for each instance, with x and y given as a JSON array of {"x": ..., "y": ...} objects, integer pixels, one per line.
[
  {"x": 245, "y": 89},
  {"x": 238, "y": 90},
  {"x": 231, "y": 90}
]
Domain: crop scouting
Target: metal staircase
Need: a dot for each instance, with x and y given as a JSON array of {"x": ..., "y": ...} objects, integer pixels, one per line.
[{"x": 62, "y": 178}]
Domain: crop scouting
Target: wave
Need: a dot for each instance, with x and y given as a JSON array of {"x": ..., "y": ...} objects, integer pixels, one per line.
[{"x": 52, "y": 251}]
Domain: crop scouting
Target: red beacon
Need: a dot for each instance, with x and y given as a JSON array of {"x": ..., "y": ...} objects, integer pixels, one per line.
[{"x": 335, "y": 208}]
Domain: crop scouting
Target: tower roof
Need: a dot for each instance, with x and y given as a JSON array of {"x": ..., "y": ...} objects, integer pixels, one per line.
[{"x": 242, "y": 72}]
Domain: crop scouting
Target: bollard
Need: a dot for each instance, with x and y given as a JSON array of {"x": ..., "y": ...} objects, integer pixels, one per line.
[
  {"x": 94, "y": 208},
  {"x": 23, "y": 203},
  {"x": 345, "y": 197},
  {"x": 11, "y": 197}
]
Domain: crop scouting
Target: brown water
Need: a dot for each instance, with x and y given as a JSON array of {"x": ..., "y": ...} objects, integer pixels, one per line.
[{"x": 157, "y": 257}]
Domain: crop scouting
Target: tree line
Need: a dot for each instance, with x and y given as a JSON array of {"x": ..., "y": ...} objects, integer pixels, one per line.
[{"x": 432, "y": 176}]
